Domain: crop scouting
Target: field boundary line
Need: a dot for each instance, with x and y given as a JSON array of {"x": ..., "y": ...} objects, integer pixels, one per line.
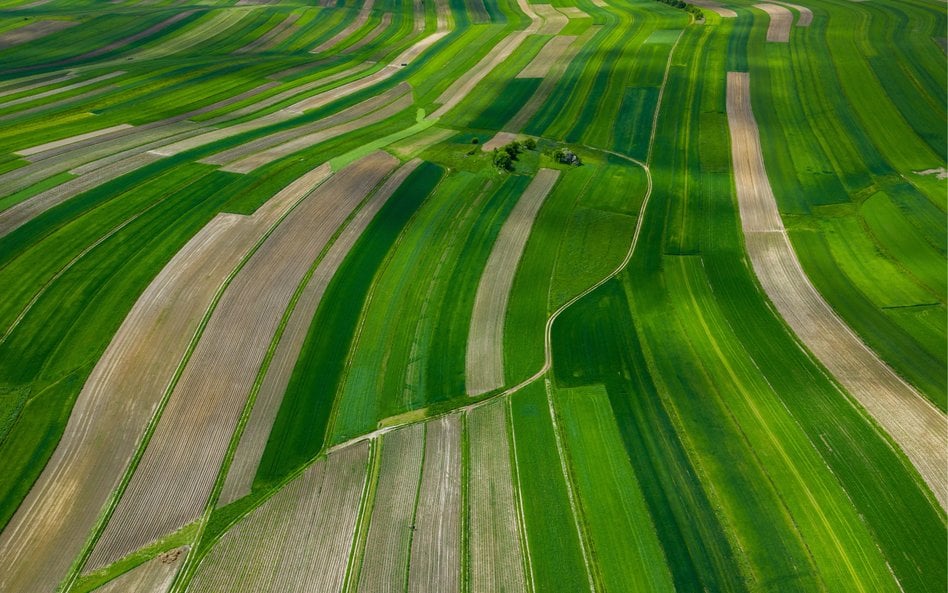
[
  {"x": 526, "y": 558},
  {"x": 119, "y": 491}
]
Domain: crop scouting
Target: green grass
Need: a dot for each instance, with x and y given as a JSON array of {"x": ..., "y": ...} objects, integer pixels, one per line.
[
  {"x": 623, "y": 540},
  {"x": 299, "y": 429},
  {"x": 555, "y": 550}
]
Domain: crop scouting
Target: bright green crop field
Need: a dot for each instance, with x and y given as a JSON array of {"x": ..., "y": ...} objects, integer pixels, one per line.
[{"x": 467, "y": 296}]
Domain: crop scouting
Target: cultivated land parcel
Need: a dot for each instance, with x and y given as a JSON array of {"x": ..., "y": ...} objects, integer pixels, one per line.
[{"x": 279, "y": 314}]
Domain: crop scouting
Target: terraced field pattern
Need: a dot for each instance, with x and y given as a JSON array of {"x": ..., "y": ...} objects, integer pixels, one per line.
[{"x": 473, "y": 296}]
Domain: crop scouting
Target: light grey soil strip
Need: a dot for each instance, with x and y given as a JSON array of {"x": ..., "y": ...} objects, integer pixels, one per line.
[
  {"x": 806, "y": 15},
  {"x": 298, "y": 541},
  {"x": 371, "y": 35},
  {"x": 32, "y": 32},
  {"x": 33, "y": 83},
  {"x": 154, "y": 576},
  {"x": 248, "y": 156},
  {"x": 388, "y": 541},
  {"x": 920, "y": 429},
  {"x": 485, "y": 342},
  {"x": 435, "y": 549},
  {"x": 253, "y": 442},
  {"x": 71, "y": 140},
  {"x": 115, "y": 44},
  {"x": 351, "y": 28},
  {"x": 780, "y": 20},
  {"x": 176, "y": 474},
  {"x": 272, "y": 37}
]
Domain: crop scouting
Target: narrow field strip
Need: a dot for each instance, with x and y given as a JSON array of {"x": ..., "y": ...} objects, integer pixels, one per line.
[
  {"x": 553, "y": 19},
  {"x": 61, "y": 89},
  {"x": 383, "y": 24},
  {"x": 257, "y": 432},
  {"x": 485, "y": 342},
  {"x": 385, "y": 562},
  {"x": 435, "y": 548},
  {"x": 174, "y": 478},
  {"x": 358, "y": 110},
  {"x": 353, "y": 26},
  {"x": 919, "y": 428},
  {"x": 32, "y": 32},
  {"x": 154, "y": 576},
  {"x": 551, "y": 54},
  {"x": 55, "y": 519},
  {"x": 494, "y": 537},
  {"x": 299, "y": 540},
  {"x": 716, "y": 7},
  {"x": 71, "y": 140},
  {"x": 213, "y": 26},
  {"x": 550, "y": 79},
  {"x": 365, "y": 114},
  {"x": 780, "y": 21},
  {"x": 806, "y": 15},
  {"x": 273, "y": 37},
  {"x": 19, "y": 214},
  {"x": 29, "y": 83}
]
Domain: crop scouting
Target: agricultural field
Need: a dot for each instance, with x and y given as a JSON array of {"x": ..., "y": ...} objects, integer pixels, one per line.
[{"x": 473, "y": 296}]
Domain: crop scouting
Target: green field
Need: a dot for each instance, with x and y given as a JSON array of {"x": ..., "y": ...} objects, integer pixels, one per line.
[{"x": 661, "y": 424}]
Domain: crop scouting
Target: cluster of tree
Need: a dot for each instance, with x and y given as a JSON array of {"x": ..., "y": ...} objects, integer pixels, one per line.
[
  {"x": 505, "y": 156},
  {"x": 566, "y": 156},
  {"x": 686, "y": 7}
]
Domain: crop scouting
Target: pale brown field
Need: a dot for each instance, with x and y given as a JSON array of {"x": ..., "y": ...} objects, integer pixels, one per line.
[
  {"x": 495, "y": 548},
  {"x": 299, "y": 540},
  {"x": 780, "y": 21},
  {"x": 154, "y": 576},
  {"x": 32, "y": 32},
  {"x": 254, "y": 439},
  {"x": 485, "y": 342},
  {"x": 174, "y": 478},
  {"x": 387, "y": 547},
  {"x": 435, "y": 549},
  {"x": 551, "y": 54},
  {"x": 716, "y": 7},
  {"x": 351, "y": 28},
  {"x": 919, "y": 428}
]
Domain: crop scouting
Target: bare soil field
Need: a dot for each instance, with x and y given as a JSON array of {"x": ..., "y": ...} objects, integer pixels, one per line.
[
  {"x": 351, "y": 28},
  {"x": 32, "y": 32},
  {"x": 371, "y": 35},
  {"x": 553, "y": 19},
  {"x": 51, "y": 526},
  {"x": 61, "y": 89},
  {"x": 254, "y": 439},
  {"x": 435, "y": 550},
  {"x": 174, "y": 478},
  {"x": 387, "y": 548},
  {"x": 499, "y": 139},
  {"x": 272, "y": 37},
  {"x": 70, "y": 140},
  {"x": 551, "y": 53},
  {"x": 299, "y": 540},
  {"x": 299, "y": 140},
  {"x": 19, "y": 214},
  {"x": 550, "y": 79},
  {"x": 806, "y": 15},
  {"x": 495, "y": 548},
  {"x": 260, "y": 144},
  {"x": 154, "y": 576},
  {"x": 485, "y": 342},
  {"x": 919, "y": 428},
  {"x": 780, "y": 21}
]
